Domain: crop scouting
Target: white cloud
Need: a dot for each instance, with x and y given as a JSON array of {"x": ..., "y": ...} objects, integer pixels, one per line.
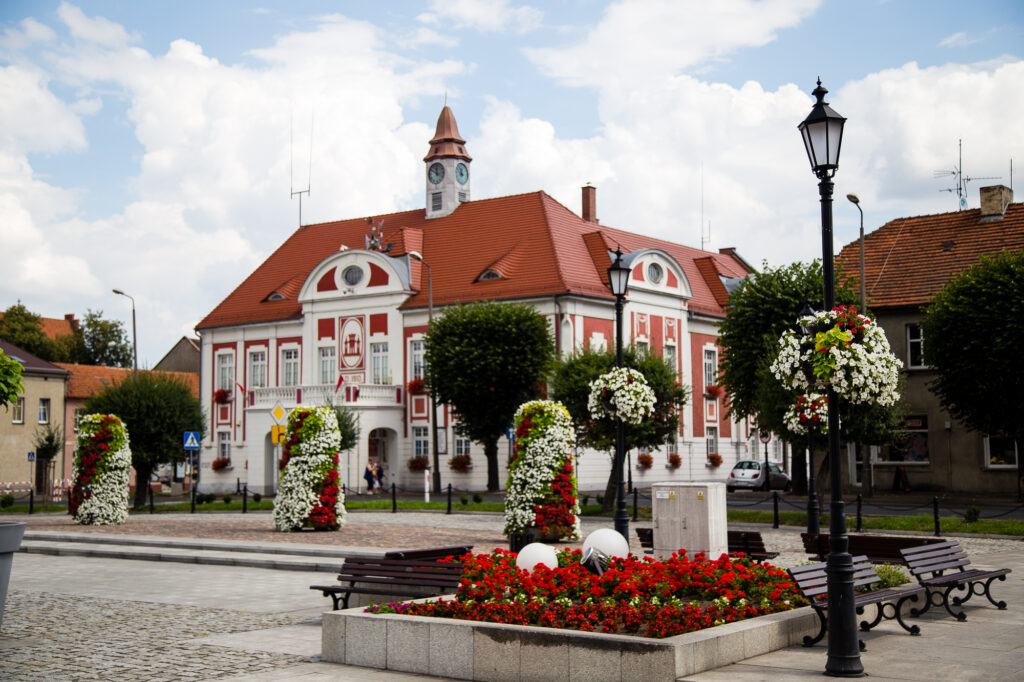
[
  {"x": 93, "y": 30},
  {"x": 31, "y": 32},
  {"x": 483, "y": 15},
  {"x": 32, "y": 119},
  {"x": 958, "y": 39}
]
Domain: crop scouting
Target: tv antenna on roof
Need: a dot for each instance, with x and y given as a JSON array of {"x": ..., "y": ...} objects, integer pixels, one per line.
[
  {"x": 961, "y": 179},
  {"x": 291, "y": 173}
]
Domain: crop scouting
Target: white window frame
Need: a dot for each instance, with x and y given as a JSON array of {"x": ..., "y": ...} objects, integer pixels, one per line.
[
  {"x": 328, "y": 357},
  {"x": 710, "y": 359},
  {"x": 224, "y": 445},
  {"x": 912, "y": 342},
  {"x": 672, "y": 445},
  {"x": 417, "y": 358},
  {"x": 671, "y": 357},
  {"x": 462, "y": 445},
  {"x": 79, "y": 413},
  {"x": 380, "y": 373},
  {"x": 879, "y": 459},
  {"x": 18, "y": 411},
  {"x": 291, "y": 368},
  {"x": 44, "y": 411},
  {"x": 258, "y": 361},
  {"x": 999, "y": 467},
  {"x": 420, "y": 441},
  {"x": 710, "y": 440},
  {"x": 643, "y": 349},
  {"x": 226, "y": 371}
]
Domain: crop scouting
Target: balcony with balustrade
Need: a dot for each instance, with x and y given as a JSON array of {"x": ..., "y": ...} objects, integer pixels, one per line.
[{"x": 351, "y": 395}]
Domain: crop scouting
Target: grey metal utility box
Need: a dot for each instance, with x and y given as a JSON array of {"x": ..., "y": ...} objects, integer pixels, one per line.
[{"x": 690, "y": 516}]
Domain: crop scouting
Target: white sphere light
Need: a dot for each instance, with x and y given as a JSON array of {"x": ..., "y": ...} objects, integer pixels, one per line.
[
  {"x": 608, "y": 541},
  {"x": 536, "y": 553}
]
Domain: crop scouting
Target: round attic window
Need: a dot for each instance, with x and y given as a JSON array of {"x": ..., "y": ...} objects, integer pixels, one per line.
[
  {"x": 655, "y": 273},
  {"x": 352, "y": 275}
]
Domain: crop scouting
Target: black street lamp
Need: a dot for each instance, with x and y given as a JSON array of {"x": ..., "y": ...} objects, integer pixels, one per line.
[
  {"x": 813, "y": 510},
  {"x": 618, "y": 278},
  {"x": 135, "y": 348},
  {"x": 822, "y": 133},
  {"x": 433, "y": 396}
]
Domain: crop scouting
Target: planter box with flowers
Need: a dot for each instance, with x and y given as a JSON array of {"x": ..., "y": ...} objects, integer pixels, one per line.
[
  {"x": 309, "y": 494},
  {"x": 221, "y": 464},
  {"x": 222, "y": 396},
  {"x": 644, "y": 461},
  {"x": 417, "y": 463},
  {"x": 460, "y": 463},
  {"x": 102, "y": 459},
  {"x": 641, "y": 619},
  {"x": 416, "y": 387},
  {"x": 713, "y": 392},
  {"x": 714, "y": 460},
  {"x": 674, "y": 460}
]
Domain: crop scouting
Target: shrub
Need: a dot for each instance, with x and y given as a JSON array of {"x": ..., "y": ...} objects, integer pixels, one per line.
[
  {"x": 600, "y": 499},
  {"x": 464, "y": 498},
  {"x": 892, "y": 575},
  {"x": 586, "y": 500},
  {"x": 256, "y": 497},
  {"x": 644, "y": 460},
  {"x": 6, "y": 501},
  {"x": 972, "y": 515},
  {"x": 477, "y": 498},
  {"x": 227, "y": 499}
]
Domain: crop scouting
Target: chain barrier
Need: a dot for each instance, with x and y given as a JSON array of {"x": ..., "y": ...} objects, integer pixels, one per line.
[
  {"x": 1005, "y": 513},
  {"x": 751, "y": 504},
  {"x": 900, "y": 509}
]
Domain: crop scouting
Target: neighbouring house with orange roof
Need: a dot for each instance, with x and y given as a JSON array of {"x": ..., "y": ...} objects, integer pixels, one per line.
[
  {"x": 85, "y": 381},
  {"x": 906, "y": 262},
  {"x": 338, "y": 313},
  {"x": 40, "y": 404}
]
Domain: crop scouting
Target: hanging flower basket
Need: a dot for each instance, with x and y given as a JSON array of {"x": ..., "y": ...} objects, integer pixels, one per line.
[
  {"x": 417, "y": 463},
  {"x": 460, "y": 463},
  {"x": 416, "y": 387},
  {"x": 222, "y": 396},
  {"x": 644, "y": 461},
  {"x": 713, "y": 392},
  {"x": 843, "y": 350},
  {"x": 714, "y": 460},
  {"x": 622, "y": 392},
  {"x": 674, "y": 460},
  {"x": 810, "y": 410}
]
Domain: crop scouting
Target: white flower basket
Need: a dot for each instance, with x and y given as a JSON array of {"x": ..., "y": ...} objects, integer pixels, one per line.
[{"x": 622, "y": 392}]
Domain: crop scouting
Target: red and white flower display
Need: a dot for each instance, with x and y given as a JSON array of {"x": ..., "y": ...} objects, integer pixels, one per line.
[
  {"x": 622, "y": 392},
  {"x": 810, "y": 411},
  {"x": 99, "y": 495},
  {"x": 309, "y": 492}
]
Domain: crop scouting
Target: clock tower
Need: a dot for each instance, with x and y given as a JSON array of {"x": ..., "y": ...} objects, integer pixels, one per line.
[{"x": 447, "y": 167}]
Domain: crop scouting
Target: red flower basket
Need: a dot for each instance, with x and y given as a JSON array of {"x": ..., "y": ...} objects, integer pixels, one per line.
[
  {"x": 712, "y": 392},
  {"x": 644, "y": 460},
  {"x": 674, "y": 460},
  {"x": 222, "y": 396},
  {"x": 417, "y": 463},
  {"x": 460, "y": 463},
  {"x": 416, "y": 387},
  {"x": 220, "y": 464},
  {"x": 715, "y": 459}
]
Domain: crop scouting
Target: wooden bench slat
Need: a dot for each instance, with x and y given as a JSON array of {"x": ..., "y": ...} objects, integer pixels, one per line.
[{"x": 945, "y": 566}]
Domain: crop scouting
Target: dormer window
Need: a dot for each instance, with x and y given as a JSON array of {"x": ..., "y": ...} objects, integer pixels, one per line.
[
  {"x": 276, "y": 296},
  {"x": 489, "y": 274}
]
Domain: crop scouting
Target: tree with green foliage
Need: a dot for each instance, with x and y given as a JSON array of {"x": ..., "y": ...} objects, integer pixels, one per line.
[
  {"x": 764, "y": 306},
  {"x": 486, "y": 359},
  {"x": 104, "y": 342},
  {"x": 156, "y": 408},
  {"x": 95, "y": 342},
  {"x": 24, "y": 329},
  {"x": 570, "y": 385},
  {"x": 10, "y": 380},
  {"x": 48, "y": 442},
  {"x": 972, "y": 333}
]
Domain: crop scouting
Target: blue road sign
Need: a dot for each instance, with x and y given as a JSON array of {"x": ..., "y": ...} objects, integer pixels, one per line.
[
  {"x": 191, "y": 440},
  {"x": 31, "y": 456}
]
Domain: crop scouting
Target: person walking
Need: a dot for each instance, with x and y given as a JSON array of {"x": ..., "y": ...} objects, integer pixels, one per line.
[
  {"x": 370, "y": 474},
  {"x": 378, "y": 474}
]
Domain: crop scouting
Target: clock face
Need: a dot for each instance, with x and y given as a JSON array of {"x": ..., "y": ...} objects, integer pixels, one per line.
[
  {"x": 436, "y": 173},
  {"x": 462, "y": 173}
]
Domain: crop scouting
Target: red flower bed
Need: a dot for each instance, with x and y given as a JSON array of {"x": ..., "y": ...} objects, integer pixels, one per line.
[{"x": 646, "y": 597}]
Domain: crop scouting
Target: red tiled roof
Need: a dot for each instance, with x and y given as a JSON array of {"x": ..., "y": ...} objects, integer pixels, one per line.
[
  {"x": 540, "y": 247},
  {"x": 88, "y": 380},
  {"x": 907, "y": 260},
  {"x": 54, "y": 327}
]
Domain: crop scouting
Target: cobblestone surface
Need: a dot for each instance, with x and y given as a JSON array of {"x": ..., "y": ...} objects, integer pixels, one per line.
[{"x": 54, "y": 637}]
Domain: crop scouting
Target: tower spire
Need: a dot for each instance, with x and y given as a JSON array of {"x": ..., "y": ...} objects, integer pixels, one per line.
[{"x": 447, "y": 166}]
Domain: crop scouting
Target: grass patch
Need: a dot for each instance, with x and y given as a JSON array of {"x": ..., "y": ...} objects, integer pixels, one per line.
[
  {"x": 925, "y": 524},
  {"x": 36, "y": 509}
]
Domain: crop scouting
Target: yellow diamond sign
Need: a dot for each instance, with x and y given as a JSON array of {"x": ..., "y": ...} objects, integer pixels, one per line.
[{"x": 277, "y": 413}]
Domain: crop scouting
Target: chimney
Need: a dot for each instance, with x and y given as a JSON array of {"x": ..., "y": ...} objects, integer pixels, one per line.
[
  {"x": 994, "y": 201},
  {"x": 590, "y": 203}
]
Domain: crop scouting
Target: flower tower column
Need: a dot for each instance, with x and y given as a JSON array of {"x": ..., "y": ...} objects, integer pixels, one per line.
[
  {"x": 99, "y": 495},
  {"x": 309, "y": 492}
]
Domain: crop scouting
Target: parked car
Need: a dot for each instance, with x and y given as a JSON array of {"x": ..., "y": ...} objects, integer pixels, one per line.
[{"x": 748, "y": 473}]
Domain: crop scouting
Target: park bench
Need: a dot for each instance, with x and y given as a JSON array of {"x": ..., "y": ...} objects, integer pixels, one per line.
[
  {"x": 943, "y": 567},
  {"x": 748, "y": 542},
  {"x": 813, "y": 584},
  {"x": 879, "y": 549},
  {"x": 433, "y": 553},
  {"x": 408, "y": 578}
]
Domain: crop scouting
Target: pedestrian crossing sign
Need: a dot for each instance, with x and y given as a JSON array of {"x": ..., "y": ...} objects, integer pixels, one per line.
[{"x": 191, "y": 440}]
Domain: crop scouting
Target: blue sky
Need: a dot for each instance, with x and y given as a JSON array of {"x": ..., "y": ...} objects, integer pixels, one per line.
[{"x": 146, "y": 145}]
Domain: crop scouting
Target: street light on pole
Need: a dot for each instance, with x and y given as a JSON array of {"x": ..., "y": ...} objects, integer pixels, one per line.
[
  {"x": 618, "y": 278},
  {"x": 433, "y": 399},
  {"x": 822, "y": 133},
  {"x": 813, "y": 509},
  {"x": 135, "y": 348},
  {"x": 863, "y": 291}
]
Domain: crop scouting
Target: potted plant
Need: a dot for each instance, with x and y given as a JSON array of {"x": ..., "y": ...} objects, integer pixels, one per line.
[
  {"x": 10, "y": 541},
  {"x": 416, "y": 387},
  {"x": 417, "y": 463},
  {"x": 674, "y": 460},
  {"x": 220, "y": 464},
  {"x": 714, "y": 460},
  {"x": 460, "y": 463},
  {"x": 644, "y": 461},
  {"x": 222, "y": 396}
]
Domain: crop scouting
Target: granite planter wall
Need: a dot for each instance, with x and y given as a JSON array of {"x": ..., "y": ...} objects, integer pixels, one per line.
[
  {"x": 487, "y": 651},
  {"x": 10, "y": 541}
]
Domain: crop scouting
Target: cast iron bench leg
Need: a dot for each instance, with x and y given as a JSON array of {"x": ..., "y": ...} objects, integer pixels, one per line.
[
  {"x": 946, "y": 601},
  {"x": 811, "y": 641},
  {"x": 912, "y": 629}
]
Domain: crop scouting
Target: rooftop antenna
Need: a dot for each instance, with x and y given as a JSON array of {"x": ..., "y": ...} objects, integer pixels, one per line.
[
  {"x": 961, "y": 179},
  {"x": 291, "y": 173},
  {"x": 702, "y": 236}
]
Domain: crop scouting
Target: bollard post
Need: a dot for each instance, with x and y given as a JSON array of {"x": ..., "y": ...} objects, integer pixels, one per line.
[
  {"x": 193, "y": 496},
  {"x": 634, "y": 503},
  {"x": 344, "y": 491},
  {"x": 860, "y": 501},
  {"x": 150, "y": 498},
  {"x": 449, "y": 499},
  {"x": 394, "y": 499},
  {"x": 69, "y": 498},
  {"x": 238, "y": 486},
  {"x": 245, "y": 498},
  {"x": 935, "y": 512},
  {"x": 775, "y": 508},
  {"x": 31, "y": 499}
]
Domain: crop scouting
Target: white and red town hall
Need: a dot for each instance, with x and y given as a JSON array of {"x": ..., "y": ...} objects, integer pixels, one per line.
[{"x": 337, "y": 316}]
